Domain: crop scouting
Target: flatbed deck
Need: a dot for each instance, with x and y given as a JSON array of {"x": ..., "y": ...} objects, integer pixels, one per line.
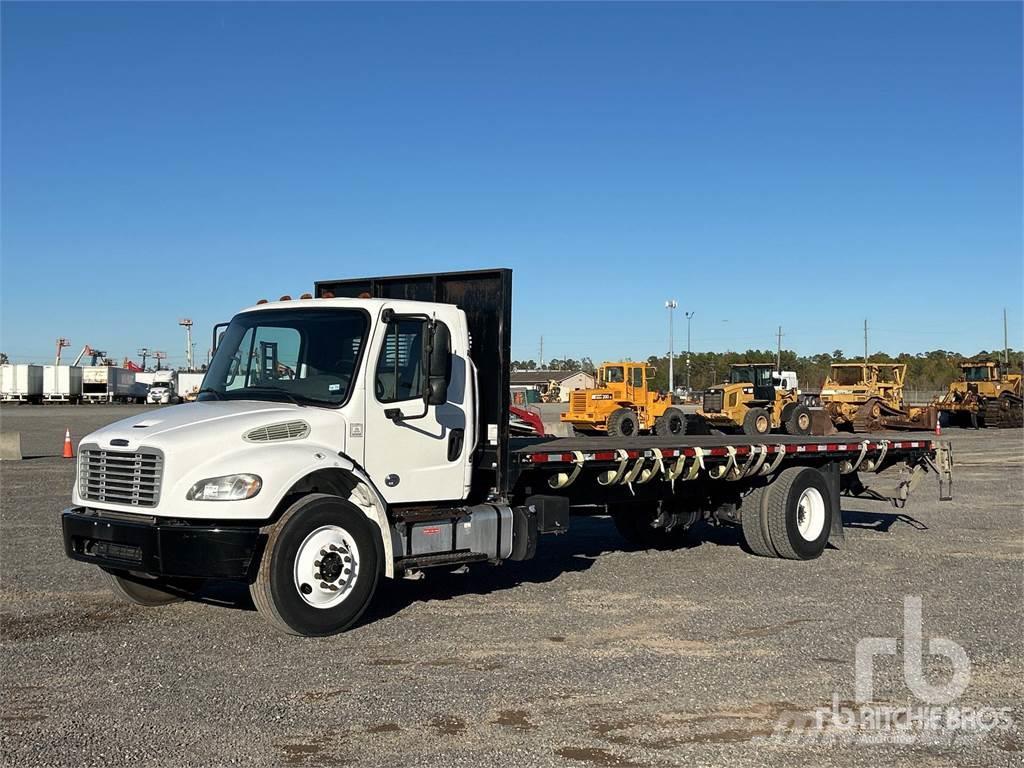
[{"x": 599, "y": 447}]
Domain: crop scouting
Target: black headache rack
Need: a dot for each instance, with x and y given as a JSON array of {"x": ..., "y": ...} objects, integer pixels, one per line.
[{"x": 486, "y": 297}]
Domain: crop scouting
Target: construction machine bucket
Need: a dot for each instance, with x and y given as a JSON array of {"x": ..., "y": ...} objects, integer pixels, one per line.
[{"x": 821, "y": 422}]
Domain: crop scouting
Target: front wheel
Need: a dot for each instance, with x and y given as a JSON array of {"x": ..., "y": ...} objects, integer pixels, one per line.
[
  {"x": 320, "y": 567},
  {"x": 671, "y": 422},
  {"x": 798, "y": 420},
  {"x": 150, "y": 593},
  {"x": 623, "y": 423},
  {"x": 757, "y": 422}
]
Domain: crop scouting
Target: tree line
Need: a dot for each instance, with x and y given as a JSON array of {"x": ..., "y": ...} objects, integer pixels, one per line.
[{"x": 925, "y": 370}]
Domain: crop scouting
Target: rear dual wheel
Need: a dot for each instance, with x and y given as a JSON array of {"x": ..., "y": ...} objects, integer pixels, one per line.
[{"x": 790, "y": 517}]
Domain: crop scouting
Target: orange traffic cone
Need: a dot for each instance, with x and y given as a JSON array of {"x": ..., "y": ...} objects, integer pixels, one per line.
[
  {"x": 938, "y": 426},
  {"x": 69, "y": 452}
]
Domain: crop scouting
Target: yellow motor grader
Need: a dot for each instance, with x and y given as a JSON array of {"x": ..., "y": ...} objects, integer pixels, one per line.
[
  {"x": 751, "y": 401},
  {"x": 623, "y": 404},
  {"x": 868, "y": 397},
  {"x": 983, "y": 397}
]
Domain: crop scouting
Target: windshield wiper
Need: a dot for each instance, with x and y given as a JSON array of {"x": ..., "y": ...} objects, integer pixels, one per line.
[
  {"x": 268, "y": 388},
  {"x": 219, "y": 395}
]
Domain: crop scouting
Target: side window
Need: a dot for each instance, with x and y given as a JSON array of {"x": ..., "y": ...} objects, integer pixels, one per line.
[
  {"x": 637, "y": 374},
  {"x": 398, "y": 375}
]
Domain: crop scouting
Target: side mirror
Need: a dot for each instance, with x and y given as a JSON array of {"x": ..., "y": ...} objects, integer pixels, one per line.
[{"x": 437, "y": 363}]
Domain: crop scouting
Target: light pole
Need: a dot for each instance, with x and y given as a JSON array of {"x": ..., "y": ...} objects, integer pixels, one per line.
[
  {"x": 670, "y": 305},
  {"x": 689, "y": 316}
]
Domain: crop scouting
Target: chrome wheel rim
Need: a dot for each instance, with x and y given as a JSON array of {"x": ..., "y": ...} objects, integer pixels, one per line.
[{"x": 326, "y": 566}]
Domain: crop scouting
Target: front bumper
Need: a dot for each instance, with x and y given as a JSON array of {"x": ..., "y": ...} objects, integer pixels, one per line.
[{"x": 161, "y": 547}]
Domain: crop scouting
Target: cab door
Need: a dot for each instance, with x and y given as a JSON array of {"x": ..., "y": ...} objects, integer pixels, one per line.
[{"x": 413, "y": 451}]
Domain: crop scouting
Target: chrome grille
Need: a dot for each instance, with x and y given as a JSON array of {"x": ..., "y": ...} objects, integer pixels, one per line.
[
  {"x": 286, "y": 430},
  {"x": 121, "y": 477},
  {"x": 712, "y": 401}
]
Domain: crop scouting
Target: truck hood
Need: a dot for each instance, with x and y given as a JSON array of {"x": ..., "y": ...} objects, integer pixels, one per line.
[{"x": 212, "y": 424}]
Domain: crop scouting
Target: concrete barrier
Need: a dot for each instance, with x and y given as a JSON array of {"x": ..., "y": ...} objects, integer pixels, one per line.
[{"x": 10, "y": 446}]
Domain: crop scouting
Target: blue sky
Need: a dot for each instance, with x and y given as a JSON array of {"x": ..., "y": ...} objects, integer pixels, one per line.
[{"x": 803, "y": 165}]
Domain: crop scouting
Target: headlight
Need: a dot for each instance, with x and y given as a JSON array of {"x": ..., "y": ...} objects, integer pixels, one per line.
[{"x": 225, "y": 488}]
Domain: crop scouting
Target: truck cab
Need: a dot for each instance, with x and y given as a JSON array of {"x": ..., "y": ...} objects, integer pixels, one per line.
[{"x": 357, "y": 407}]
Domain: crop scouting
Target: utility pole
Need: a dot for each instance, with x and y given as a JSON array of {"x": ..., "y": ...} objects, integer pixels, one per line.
[
  {"x": 1006, "y": 344},
  {"x": 865, "y": 341},
  {"x": 778, "y": 350},
  {"x": 186, "y": 323},
  {"x": 61, "y": 343},
  {"x": 540, "y": 363},
  {"x": 159, "y": 356},
  {"x": 144, "y": 352},
  {"x": 689, "y": 316},
  {"x": 670, "y": 305}
]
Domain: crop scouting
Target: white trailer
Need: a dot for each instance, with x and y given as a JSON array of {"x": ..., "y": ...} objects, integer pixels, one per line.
[
  {"x": 62, "y": 384},
  {"x": 21, "y": 383},
  {"x": 189, "y": 383},
  {"x": 108, "y": 384}
]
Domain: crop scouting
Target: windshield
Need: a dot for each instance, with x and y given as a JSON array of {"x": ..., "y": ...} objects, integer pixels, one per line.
[
  {"x": 759, "y": 377},
  {"x": 302, "y": 355},
  {"x": 976, "y": 373},
  {"x": 613, "y": 375},
  {"x": 847, "y": 376}
]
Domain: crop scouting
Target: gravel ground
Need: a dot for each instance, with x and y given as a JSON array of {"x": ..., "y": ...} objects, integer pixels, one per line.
[{"x": 590, "y": 655}]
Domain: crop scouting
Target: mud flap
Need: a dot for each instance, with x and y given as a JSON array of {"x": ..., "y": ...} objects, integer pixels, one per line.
[{"x": 836, "y": 535}]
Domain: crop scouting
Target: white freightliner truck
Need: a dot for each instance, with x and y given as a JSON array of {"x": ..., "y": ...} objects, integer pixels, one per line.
[{"x": 363, "y": 434}]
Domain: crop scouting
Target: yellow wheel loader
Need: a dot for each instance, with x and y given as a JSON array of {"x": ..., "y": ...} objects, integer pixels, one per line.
[
  {"x": 984, "y": 397},
  {"x": 753, "y": 402},
  {"x": 868, "y": 397},
  {"x": 623, "y": 404}
]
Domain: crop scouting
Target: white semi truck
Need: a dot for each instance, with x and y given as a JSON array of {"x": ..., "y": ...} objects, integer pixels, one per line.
[
  {"x": 163, "y": 388},
  {"x": 363, "y": 435}
]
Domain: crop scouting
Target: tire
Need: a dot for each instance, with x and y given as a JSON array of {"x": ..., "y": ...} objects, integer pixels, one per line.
[
  {"x": 754, "y": 518},
  {"x": 142, "y": 591},
  {"x": 671, "y": 422},
  {"x": 623, "y": 423},
  {"x": 799, "y": 513},
  {"x": 309, "y": 527},
  {"x": 633, "y": 522},
  {"x": 757, "y": 422},
  {"x": 798, "y": 421}
]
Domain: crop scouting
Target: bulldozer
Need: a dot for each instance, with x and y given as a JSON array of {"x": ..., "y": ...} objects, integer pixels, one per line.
[
  {"x": 623, "y": 404},
  {"x": 756, "y": 401},
  {"x": 868, "y": 397},
  {"x": 983, "y": 396}
]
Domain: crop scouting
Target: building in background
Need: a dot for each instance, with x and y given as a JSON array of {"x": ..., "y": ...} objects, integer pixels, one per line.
[{"x": 540, "y": 381}]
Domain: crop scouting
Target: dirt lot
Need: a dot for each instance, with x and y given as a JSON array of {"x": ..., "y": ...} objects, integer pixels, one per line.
[{"x": 590, "y": 655}]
